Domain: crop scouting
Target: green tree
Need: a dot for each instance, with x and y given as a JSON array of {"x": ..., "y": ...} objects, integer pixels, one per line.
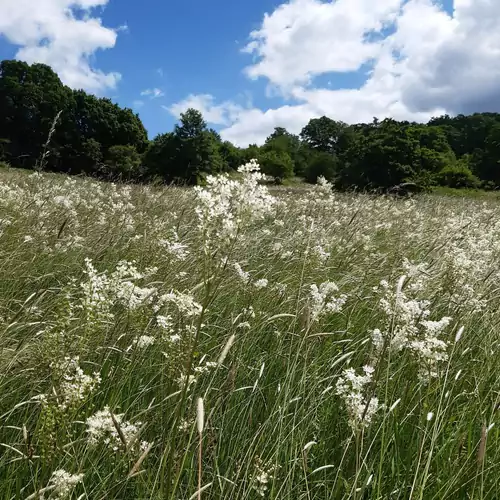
[
  {"x": 160, "y": 157},
  {"x": 185, "y": 155},
  {"x": 103, "y": 121},
  {"x": 30, "y": 99},
  {"x": 197, "y": 152},
  {"x": 458, "y": 176},
  {"x": 322, "y": 134},
  {"x": 123, "y": 161},
  {"x": 485, "y": 161},
  {"x": 252, "y": 152},
  {"x": 232, "y": 157},
  {"x": 277, "y": 164},
  {"x": 283, "y": 141},
  {"x": 382, "y": 155},
  {"x": 321, "y": 165}
]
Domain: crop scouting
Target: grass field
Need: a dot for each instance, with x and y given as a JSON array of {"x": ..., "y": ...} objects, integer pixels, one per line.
[{"x": 305, "y": 344}]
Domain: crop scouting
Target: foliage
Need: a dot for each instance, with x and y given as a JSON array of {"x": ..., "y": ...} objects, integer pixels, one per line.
[
  {"x": 458, "y": 176},
  {"x": 322, "y": 134},
  {"x": 277, "y": 164},
  {"x": 186, "y": 155},
  {"x": 93, "y": 135},
  {"x": 321, "y": 165},
  {"x": 123, "y": 161},
  {"x": 231, "y": 156}
]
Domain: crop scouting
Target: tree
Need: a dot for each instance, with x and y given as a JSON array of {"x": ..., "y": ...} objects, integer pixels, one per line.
[
  {"x": 232, "y": 157},
  {"x": 277, "y": 164},
  {"x": 382, "y": 155},
  {"x": 30, "y": 99},
  {"x": 185, "y": 155},
  {"x": 252, "y": 152},
  {"x": 322, "y": 134},
  {"x": 160, "y": 156},
  {"x": 321, "y": 165},
  {"x": 89, "y": 157},
  {"x": 197, "y": 151},
  {"x": 458, "y": 176},
  {"x": 123, "y": 161},
  {"x": 101, "y": 120},
  {"x": 284, "y": 142},
  {"x": 485, "y": 161}
]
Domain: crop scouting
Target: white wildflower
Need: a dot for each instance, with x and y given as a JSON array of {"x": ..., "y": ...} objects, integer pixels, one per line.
[
  {"x": 144, "y": 341},
  {"x": 185, "y": 303},
  {"x": 174, "y": 248},
  {"x": 63, "y": 483},
  {"x": 262, "y": 283},
  {"x": 263, "y": 475},
  {"x": 165, "y": 322},
  {"x": 323, "y": 299},
  {"x": 75, "y": 385},
  {"x": 243, "y": 275},
  {"x": 352, "y": 388},
  {"x": 102, "y": 429}
]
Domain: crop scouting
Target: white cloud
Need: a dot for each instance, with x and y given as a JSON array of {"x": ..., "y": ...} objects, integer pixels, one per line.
[
  {"x": 152, "y": 93},
  {"x": 218, "y": 114},
  {"x": 252, "y": 126},
  {"x": 48, "y": 31},
  {"x": 457, "y": 66},
  {"x": 426, "y": 62},
  {"x": 137, "y": 104},
  {"x": 304, "y": 38}
]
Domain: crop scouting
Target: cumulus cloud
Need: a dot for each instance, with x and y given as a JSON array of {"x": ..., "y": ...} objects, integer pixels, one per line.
[
  {"x": 304, "y": 38},
  {"x": 423, "y": 60},
  {"x": 51, "y": 32},
  {"x": 218, "y": 114}
]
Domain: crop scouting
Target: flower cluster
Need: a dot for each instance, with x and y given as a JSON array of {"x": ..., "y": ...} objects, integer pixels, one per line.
[
  {"x": 325, "y": 300},
  {"x": 73, "y": 385},
  {"x": 101, "y": 292},
  {"x": 355, "y": 389},
  {"x": 113, "y": 431},
  {"x": 224, "y": 205},
  {"x": 407, "y": 326},
  {"x": 185, "y": 303},
  {"x": 263, "y": 475},
  {"x": 62, "y": 483}
]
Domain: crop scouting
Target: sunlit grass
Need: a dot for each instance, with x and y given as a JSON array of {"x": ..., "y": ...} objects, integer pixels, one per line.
[{"x": 276, "y": 424}]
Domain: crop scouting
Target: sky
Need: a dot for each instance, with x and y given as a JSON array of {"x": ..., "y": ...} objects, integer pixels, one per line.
[{"x": 251, "y": 66}]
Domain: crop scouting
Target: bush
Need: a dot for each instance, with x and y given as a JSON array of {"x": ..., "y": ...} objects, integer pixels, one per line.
[
  {"x": 277, "y": 164},
  {"x": 458, "y": 176},
  {"x": 321, "y": 165},
  {"x": 123, "y": 161},
  {"x": 424, "y": 180}
]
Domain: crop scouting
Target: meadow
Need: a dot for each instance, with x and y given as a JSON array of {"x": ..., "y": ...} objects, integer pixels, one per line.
[{"x": 236, "y": 342}]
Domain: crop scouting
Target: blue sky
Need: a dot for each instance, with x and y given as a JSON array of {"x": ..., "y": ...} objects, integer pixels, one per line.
[{"x": 251, "y": 66}]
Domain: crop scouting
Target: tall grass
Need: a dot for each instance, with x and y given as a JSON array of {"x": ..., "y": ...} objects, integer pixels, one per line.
[{"x": 265, "y": 307}]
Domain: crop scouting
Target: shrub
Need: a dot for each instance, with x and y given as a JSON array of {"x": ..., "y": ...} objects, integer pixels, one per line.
[
  {"x": 123, "y": 161},
  {"x": 321, "y": 165},
  {"x": 277, "y": 164},
  {"x": 458, "y": 176}
]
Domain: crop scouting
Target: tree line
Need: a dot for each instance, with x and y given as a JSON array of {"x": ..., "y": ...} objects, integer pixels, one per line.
[{"x": 46, "y": 125}]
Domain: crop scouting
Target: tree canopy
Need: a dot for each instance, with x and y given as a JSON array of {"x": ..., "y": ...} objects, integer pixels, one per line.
[{"x": 45, "y": 124}]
